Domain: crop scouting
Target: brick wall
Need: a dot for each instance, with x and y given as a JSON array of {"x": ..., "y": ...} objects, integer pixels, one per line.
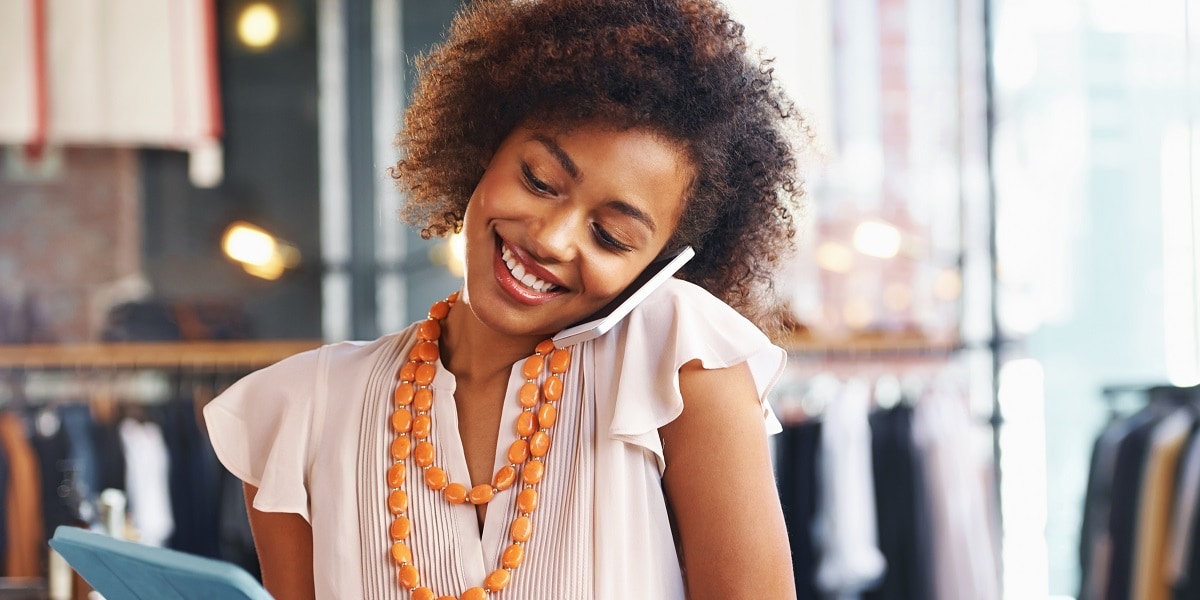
[{"x": 69, "y": 244}]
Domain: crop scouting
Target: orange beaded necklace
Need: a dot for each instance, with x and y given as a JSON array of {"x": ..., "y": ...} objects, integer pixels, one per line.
[{"x": 524, "y": 454}]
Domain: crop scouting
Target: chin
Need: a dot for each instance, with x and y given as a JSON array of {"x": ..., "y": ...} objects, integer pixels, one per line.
[{"x": 509, "y": 320}]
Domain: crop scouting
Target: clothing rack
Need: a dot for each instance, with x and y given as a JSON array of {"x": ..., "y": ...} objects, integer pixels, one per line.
[
  {"x": 894, "y": 376},
  {"x": 1147, "y": 393},
  {"x": 140, "y": 355},
  {"x": 1137, "y": 537},
  {"x": 882, "y": 447},
  {"x": 1150, "y": 393}
]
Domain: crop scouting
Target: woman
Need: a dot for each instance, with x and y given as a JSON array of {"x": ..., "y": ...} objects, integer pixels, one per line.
[{"x": 572, "y": 142}]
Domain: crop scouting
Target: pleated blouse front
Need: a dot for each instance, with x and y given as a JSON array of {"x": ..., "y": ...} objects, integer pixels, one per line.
[
  {"x": 312, "y": 433},
  {"x": 448, "y": 547}
]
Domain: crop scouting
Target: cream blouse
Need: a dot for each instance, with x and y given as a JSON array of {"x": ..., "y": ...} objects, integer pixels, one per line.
[{"x": 312, "y": 433}]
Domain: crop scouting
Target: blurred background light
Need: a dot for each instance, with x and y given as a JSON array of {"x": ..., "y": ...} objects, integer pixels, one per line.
[
  {"x": 858, "y": 313},
  {"x": 948, "y": 285},
  {"x": 877, "y": 238},
  {"x": 1181, "y": 326},
  {"x": 258, "y": 252},
  {"x": 835, "y": 257},
  {"x": 258, "y": 25},
  {"x": 458, "y": 254},
  {"x": 897, "y": 297},
  {"x": 1023, "y": 489}
]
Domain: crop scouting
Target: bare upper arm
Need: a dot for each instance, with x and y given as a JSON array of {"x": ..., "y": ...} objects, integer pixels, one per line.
[
  {"x": 285, "y": 550},
  {"x": 722, "y": 490}
]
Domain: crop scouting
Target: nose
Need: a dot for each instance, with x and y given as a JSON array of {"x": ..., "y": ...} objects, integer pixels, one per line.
[{"x": 556, "y": 233}]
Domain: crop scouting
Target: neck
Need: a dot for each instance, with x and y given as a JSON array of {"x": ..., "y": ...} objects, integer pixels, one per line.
[{"x": 472, "y": 350}]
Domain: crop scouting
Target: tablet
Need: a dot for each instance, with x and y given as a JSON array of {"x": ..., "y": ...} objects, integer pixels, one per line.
[
  {"x": 603, "y": 320},
  {"x": 122, "y": 570}
]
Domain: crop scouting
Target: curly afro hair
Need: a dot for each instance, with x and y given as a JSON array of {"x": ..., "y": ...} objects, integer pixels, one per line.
[{"x": 679, "y": 68}]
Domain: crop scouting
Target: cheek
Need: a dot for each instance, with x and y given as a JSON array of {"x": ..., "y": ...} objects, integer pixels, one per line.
[
  {"x": 481, "y": 208},
  {"x": 608, "y": 278},
  {"x": 492, "y": 200}
]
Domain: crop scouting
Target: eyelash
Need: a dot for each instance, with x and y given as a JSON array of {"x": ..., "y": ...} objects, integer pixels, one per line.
[
  {"x": 538, "y": 186},
  {"x": 607, "y": 239}
]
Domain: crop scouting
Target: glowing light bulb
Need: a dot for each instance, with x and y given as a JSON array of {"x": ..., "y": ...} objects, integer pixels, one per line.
[
  {"x": 248, "y": 244},
  {"x": 258, "y": 25},
  {"x": 259, "y": 253}
]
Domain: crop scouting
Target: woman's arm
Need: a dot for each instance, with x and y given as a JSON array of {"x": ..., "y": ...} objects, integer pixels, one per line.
[
  {"x": 722, "y": 491},
  {"x": 285, "y": 551}
]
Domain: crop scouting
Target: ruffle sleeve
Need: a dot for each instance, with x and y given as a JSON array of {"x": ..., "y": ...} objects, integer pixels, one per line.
[
  {"x": 261, "y": 429},
  {"x": 678, "y": 323}
]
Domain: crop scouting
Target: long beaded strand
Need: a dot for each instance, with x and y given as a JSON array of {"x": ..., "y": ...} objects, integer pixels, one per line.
[{"x": 525, "y": 454}]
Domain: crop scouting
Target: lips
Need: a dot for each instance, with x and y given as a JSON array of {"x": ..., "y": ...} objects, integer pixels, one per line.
[
  {"x": 526, "y": 277},
  {"x": 523, "y": 278}
]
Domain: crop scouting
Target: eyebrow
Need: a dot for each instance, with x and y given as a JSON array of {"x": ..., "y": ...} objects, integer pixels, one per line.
[
  {"x": 561, "y": 155},
  {"x": 634, "y": 212},
  {"x": 572, "y": 169}
]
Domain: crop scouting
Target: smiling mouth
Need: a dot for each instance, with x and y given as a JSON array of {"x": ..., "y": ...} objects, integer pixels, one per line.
[{"x": 527, "y": 279}]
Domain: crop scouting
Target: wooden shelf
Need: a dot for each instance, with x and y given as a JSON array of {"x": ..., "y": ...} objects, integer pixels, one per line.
[
  {"x": 161, "y": 355},
  {"x": 870, "y": 346},
  {"x": 254, "y": 354}
]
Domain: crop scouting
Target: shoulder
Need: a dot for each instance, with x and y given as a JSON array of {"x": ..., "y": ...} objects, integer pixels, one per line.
[
  {"x": 677, "y": 296},
  {"x": 343, "y": 359},
  {"x": 643, "y": 357},
  {"x": 691, "y": 323},
  {"x": 298, "y": 380}
]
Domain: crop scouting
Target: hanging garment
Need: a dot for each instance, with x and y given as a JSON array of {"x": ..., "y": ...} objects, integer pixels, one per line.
[
  {"x": 5, "y": 484},
  {"x": 1095, "y": 539},
  {"x": 1185, "y": 581},
  {"x": 964, "y": 553},
  {"x": 119, "y": 72},
  {"x": 850, "y": 557},
  {"x": 193, "y": 481},
  {"x": 901, "y": 508},
  {"x": 1189, "y": 587},
  {"x": 1154, "y": 512},
  {"x": 23, "y": 515},
  {"x": 60, "y": 503},
  {"x": 147, "y": 481},
  {"x": 23, "y": 106},
  {"x": 799, "y": 491},
  {"x": 1128, "y": 471},
  {"x": 77, "y": 424},
  {"x": 110, "y": 455}
]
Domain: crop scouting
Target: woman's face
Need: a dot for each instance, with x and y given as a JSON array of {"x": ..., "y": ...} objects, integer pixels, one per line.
[{"x": 560, "y": 223}]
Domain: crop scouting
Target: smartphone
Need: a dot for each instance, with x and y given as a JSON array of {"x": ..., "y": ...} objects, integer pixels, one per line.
[{"x": 604, "y": 319}]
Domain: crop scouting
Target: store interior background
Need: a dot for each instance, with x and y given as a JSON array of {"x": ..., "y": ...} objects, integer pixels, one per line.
[{"x": 1028, "y": 167}]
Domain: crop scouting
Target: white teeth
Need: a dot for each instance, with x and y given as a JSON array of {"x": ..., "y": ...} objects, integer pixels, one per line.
[{"x": 519, "y": 273}]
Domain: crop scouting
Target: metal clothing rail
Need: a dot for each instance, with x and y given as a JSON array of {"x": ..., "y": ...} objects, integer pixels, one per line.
[{"x": 163, "y": 355}]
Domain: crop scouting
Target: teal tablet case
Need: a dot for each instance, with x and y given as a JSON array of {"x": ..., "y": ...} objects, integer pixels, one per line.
[{"x": 123, "y": 570}]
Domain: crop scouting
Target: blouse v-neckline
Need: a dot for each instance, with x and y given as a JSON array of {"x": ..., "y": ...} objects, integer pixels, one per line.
[{"x": 481, "y": 545}]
